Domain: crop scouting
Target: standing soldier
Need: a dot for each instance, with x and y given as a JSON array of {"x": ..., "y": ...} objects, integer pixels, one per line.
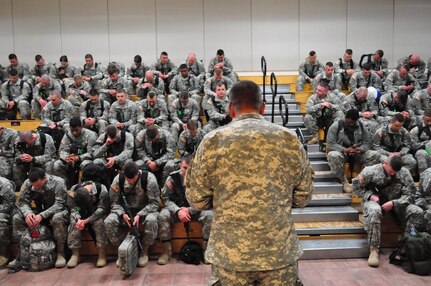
[
  {"x": 166, "y": 69},
  {"x": 49, "y": 195},
  {"x": 308, "y": 71},
  {"x": 7, "y": 203},
  {"x": 123, "y": 113},
  {"x": 184, "y": 81},
  {"x": 152, "y": 111},
  {"x": 41, "y": 94},
  {"x": 94, "y": 113},
  {"x": 136, "y": 71},
  {"x": 88, "y": 204},
  {"x": 182, "y": 110},
  {"x": 346, "y": 67},
  {"x": 176, "y": 208},
  {"x": 349, "y": 141},
  {"x": 217, "y": 108},
  {"x": 7, "y": 140},
  {"x": 386, "y": 187},
  {"x": 141, "y": 191},
  {"x": 190, "y": 138},
  {"x": 92, "y": 72},
  {"x": 421, "y": 145},
  {"x": 77, "y": 92},
  {"x": 16, "y": 95}
]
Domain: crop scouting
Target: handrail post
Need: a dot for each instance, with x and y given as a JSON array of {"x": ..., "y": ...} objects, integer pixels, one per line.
[
  {"x": 274, "y": 86},
  {"x": 263, "y": 68}
]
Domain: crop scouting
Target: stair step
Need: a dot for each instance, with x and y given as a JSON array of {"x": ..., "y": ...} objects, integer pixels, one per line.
[
  {"x": 335, "y": 248},
  {"x": 320, "y": 165},
  {"x": 318, "y": 214},
  {"x": 290, "y": 98},
  {"x": 291, "y": 106},
  {"x": 316, "y": 155},
  {"x": 322, "y": 176},
  {"x": 330, "y": 199},
  {"x": 329, "y": 228},
  {"x": 313, "y": 147},
  {"x": 328, "y": 187},
  {"x": 280, "y": 88}
]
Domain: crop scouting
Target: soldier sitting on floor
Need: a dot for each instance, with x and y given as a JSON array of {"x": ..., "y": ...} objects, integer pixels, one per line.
[
  {"x": 308, "y": 71},
  {"x": 94, "y": 113}
]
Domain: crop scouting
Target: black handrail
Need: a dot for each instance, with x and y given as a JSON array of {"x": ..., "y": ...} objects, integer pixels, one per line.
[
  {"x": 274, "y": 86},
  {"x": 263, "y": 68},
  {"x": 284, "y": 115},
  {"x": 301, "y": 138}
]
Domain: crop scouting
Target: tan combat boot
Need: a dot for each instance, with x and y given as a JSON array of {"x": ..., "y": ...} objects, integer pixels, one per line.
[
  {"x": 4, "y": 258},
  {"x": 314, "y": 140},
  {"x": 347, "y": 187},
  {"x": 167, "y": 253},
  {"x": 101, "y": 261},
  {"x": 74, "y": 259},
  {"x": 373, "y": 259},
  {"x": 12, "y": 264},
  {"x": 61, "y": 261},
  {"x": 204, "y": 247},
  {"x": 143, "y": 260}
]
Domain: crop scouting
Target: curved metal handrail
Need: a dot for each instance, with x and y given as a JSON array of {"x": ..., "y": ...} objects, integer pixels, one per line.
[
  {"x": 274, "y": 86},
  {"x": 284, "y": 115},
  {"x": 301, "y": 138},
  {"x": 263, "y": 68}
]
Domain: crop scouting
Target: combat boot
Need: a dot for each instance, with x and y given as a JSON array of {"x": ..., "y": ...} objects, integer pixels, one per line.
[
  {"x": 314, "y": 140},
  {"x": 143, "y": 260},
  {"x": 101, "y": 261},
  {"x": 4, "y": 258},
  {"x": 13, "y": 263},
  {"x": 167, "y": 253},
  {"x": 373, "y": 259},
  {"x": 204, "y": 247},
  {"x": 74, "y": 259},
  {"x": 347, "y": 187},
  {"x": 61, "y": 261}
]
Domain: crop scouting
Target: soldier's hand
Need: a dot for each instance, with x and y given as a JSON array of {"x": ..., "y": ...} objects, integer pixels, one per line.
[
  {"x": 375, "y": 198},
  {"x": 86, "y": 78},
  {"x": 126, "y": 218},
  {"x": 113, "y": 92},
  {"x": 37, "y": 219},
  {"x": 367, "y": 115},
  {"x": 120, "y": 125},
  {"x": 80, "y": 224},
  {"x": 10, "y": 104},
  {"x": 110, "y": 163},
  {"x": 52, "y": 126},
  {"x": 136, "y": 80},
  {"x": 37, "y": 79},
  {"x": 146, "y": 85},
  {"x": 184, "y": 215},
  {"x": 42, "y": 102},
  {"x": 152, "y": 165},
  {"x": 26, "y": 158},
  {"x": 388, "y": 206},
  {"x": 185, "y": 126},
  {"x": 72, "y": 91},
  {"x": 136, "y": 220},
  {"x": 29, "y": 219}
]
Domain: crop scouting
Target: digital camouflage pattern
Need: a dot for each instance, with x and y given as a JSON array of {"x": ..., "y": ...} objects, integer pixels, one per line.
[{"x": 7, "y": 203}]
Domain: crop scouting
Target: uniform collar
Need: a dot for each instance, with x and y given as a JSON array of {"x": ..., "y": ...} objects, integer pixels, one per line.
[{"x": 249, "y": 116}]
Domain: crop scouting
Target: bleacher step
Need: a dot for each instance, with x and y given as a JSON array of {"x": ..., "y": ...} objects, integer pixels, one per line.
[
  {"x": 320, "y": 165},
  {"x": 335, "y": 248},
  {"x": 328, "y": 187},
  {"x": 313, "y": 147},
  {"x": 319, "y": 214},
  {"x": 331, "y": 199},
  {"x": 280, "y": 88},
  {"x": 323, "y": 176},
  {"x": 316, "y": 155},
  {"x": 329, "y": 228}
]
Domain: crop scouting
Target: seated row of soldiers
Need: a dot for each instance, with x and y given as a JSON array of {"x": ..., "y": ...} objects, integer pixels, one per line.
[
  {"x": 363, "y": 130},
  {"x": 22, "y": 89},
  {"x": 411, "y": 73}
]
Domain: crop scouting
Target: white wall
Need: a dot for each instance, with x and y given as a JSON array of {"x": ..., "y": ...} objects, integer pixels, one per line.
[{"x": 282, "y": 30}]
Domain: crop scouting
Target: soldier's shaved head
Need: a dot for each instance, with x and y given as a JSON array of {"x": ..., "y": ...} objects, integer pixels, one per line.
[
  {"x": 25, "y": 135},
  {"x": 395, "y": 162},
  {"x": 246, "y": 95},
  {"x": 414, "y": 59}
]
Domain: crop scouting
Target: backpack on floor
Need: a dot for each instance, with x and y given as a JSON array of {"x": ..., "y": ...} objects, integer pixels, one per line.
[{"x": 191, "y": 252}]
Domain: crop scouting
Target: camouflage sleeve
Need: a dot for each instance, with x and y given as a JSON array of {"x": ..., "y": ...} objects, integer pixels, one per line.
[
  {"x": 228, "y": 68},
  {"x": 211, "y": 66},
  {"x": 207, "y": 87},
  {"x": 316, "y": 81},
  {"x": 67, "y": 114},
  {"x": 170, "y": 151},
  {"x": 415, "y": 82},
  {"x": 114, "y": 196},
  {"x": 213, "y": 112},
  {"x": 363, "y": 179},
  {"x": 113, "y": 115},
  {"x": 60, "y": 200},
  {"x": 377, "y": 142},
  {"x": 71, "y": 206},
  {"x": 181, "y": 143},
  {"x": 389, "y": 82},
  {"x": 336, "y": 103},
  {"x": 64, "y": 149},
  {"x": 229, "y": 84},
  {"x": 195, "y": 85},
  {"x": 311, "y": 107},
  {"x": 140, "y": 112},
  {"x": 332, "y": 139},
  {"x": 102, "y": 207},
  {"x": 153, "y": 195},
  {"x": 82, "y": 111},
  {"x": 128, "y": 149},
  {"x": 366, "y": 140},
  {"x": 374, "y": 109},
  {"x": 201, "y": 70},
  {"x": 7, "y": 197},
  {"x": 140, "y": 146},
  {"x": 173, "y": 85},
  {"x": 174, "y": 69},
  {"x": 174, "y": 114},
  {"x": 416, "y": 103},
  {"x": 104, "y": 87},
  {"x": 302, "y": 71},
  {"x": 353, "y": 82},
  {"x": 106, "y": 109},
  {"x": 100, "y": 147},
  {"x": 160, "y": 87},
  {"x": 8, "y": 149},
  {"x": 337, "y": 79},
  {"x": 407, "y": 142},
  {"x": 383, "y": 104},
  {"x": 408, "y": 191},
  {"x": 49, "y": 152},
  {"x": 416, "y": 142},
  {"x": 24, "y": 199},
  {"x": 45, "y": 115},
  {"x": 195, "y": 110},
  {"x": 4, "y": 95},
  {"x": 384, "y": 66},
  {"x": 26, "y": 72},
  {"x": 36, "y": 89},
  {"x": 91, "y": 141},
  {"x": 420, "y": 72},
  {"x": 163, "y": 113},
  {"x": 52, "y": 71},
  {"x": 377, "y": 81},
  {"x": 303, "y": 191},
  {"x": 133, "y": 115},
  {"x": 338, "y": 67}
]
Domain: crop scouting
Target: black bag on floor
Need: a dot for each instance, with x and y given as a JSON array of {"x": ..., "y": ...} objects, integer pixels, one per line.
[
  {"x": 415, "y": 254},
  {"x": 191, "y": 252}
]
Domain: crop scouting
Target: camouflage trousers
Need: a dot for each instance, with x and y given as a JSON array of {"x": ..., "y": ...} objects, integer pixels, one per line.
[
  {"x": 279, "y": 277},
  {"x": 424, "y": 160},
  {"x": 6, "y": 167},
  {"x": 76, "y": 101},
  {"x": 408, "y": 161},
  {"x": 74, "y": 235},
  {"x": 23, "y": 106},
  {"x": 5, "y": 223},
  {"x": 409, "y": 216},
  {"x": 20, "y": 174},
  {"x": 300, "y": 81},
  {"x": 58, "y": 222},
  {"x": 63, "y": 170},
  {"x": 313, "y": 123},
  {"x": 114, "y": 229},
  {"x": 336, "y": 161},
  {"x": 166, "y": 221},
  {"x": 99, "y": 127}
]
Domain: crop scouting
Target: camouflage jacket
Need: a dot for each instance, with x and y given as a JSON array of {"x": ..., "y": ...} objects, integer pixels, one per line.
[
  {"x": 370, "y": 105},
  {"x": 386, "y": 141},
  {"x": 309, "y": 70},
  {"x": 160, "y": 151},
  {"x": 83, "y": 144},
  {"x": 7, "y": 196},
  {"x": 338, "y": 137}
]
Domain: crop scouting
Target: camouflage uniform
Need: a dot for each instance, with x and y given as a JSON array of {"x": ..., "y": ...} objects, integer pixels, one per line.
[
  {"x": 99, "y": 210},
  {"x": 211, "y": 84},
  {"x": 252, "y": 230},
  {"x": 420, "y": 142},
  {"x": 174, "y": 199},
  {"x": 39, "y": 71},
  {"x": 166, "y": 69},
  {"x": 187, "y": 144},
  {"x": 134, "y": 71},
  {"x": 369, "y": 105},
  {"x": 340, "y": 67},
  {"x": 388, "y": 108},
  {"x": 421, "y": 101},
  {"x": 382, "y": 65},
  {"x": 7, "y": 151},
  {"x": 418, "y": 71},
  {"x": 358, "y": 79},
  {"x": 227, "y": 68},
  {"x": 217, "y": 110},
  {"x": 98, "y": 111},
  {"x": 181, "y": 114},
  {"x": 158, "y": 86},
  {"x": 43, "y": 157},
  {"x": 77, "y": 98},
  {"x": 339, "y": 138},
  {"x": 23, "y": 71},
  {"x": 7, "y": 203},
  {"x": 52, "y": 199},
  {"x": 143, "y": 202},
  {"x": 334, "y": 83},
  {"x": 394, "y": 81},
  {"x": 13, "y": 92},
  {"x": 424, "y": 200},
  {"x": 94, "y": 72},
  {"x": 315, "y": 111},
  {"x": 159, "y": 112},
  {"x": 58, "y": 114},
  {"x": 386, "y": 141},
  {"x": 399, "y": 189},
  {"x": 307, "y": 71},
  {"x": 198, "y": 70},
  {"x": 107, "y": 85},
  {"x": 126, "y": 113},
  {"x": 161, "y": 151},
  {"x": 179, "y": 84},
  {"x": 121, "y": 151},
  {"x": 82, "y": 146},
  {"x": 42, "y": 92}
]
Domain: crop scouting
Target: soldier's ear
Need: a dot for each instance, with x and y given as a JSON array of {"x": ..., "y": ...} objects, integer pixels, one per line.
[
  {"x": 232, "y": 111},
  {"x": 262, "y": 108}
]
